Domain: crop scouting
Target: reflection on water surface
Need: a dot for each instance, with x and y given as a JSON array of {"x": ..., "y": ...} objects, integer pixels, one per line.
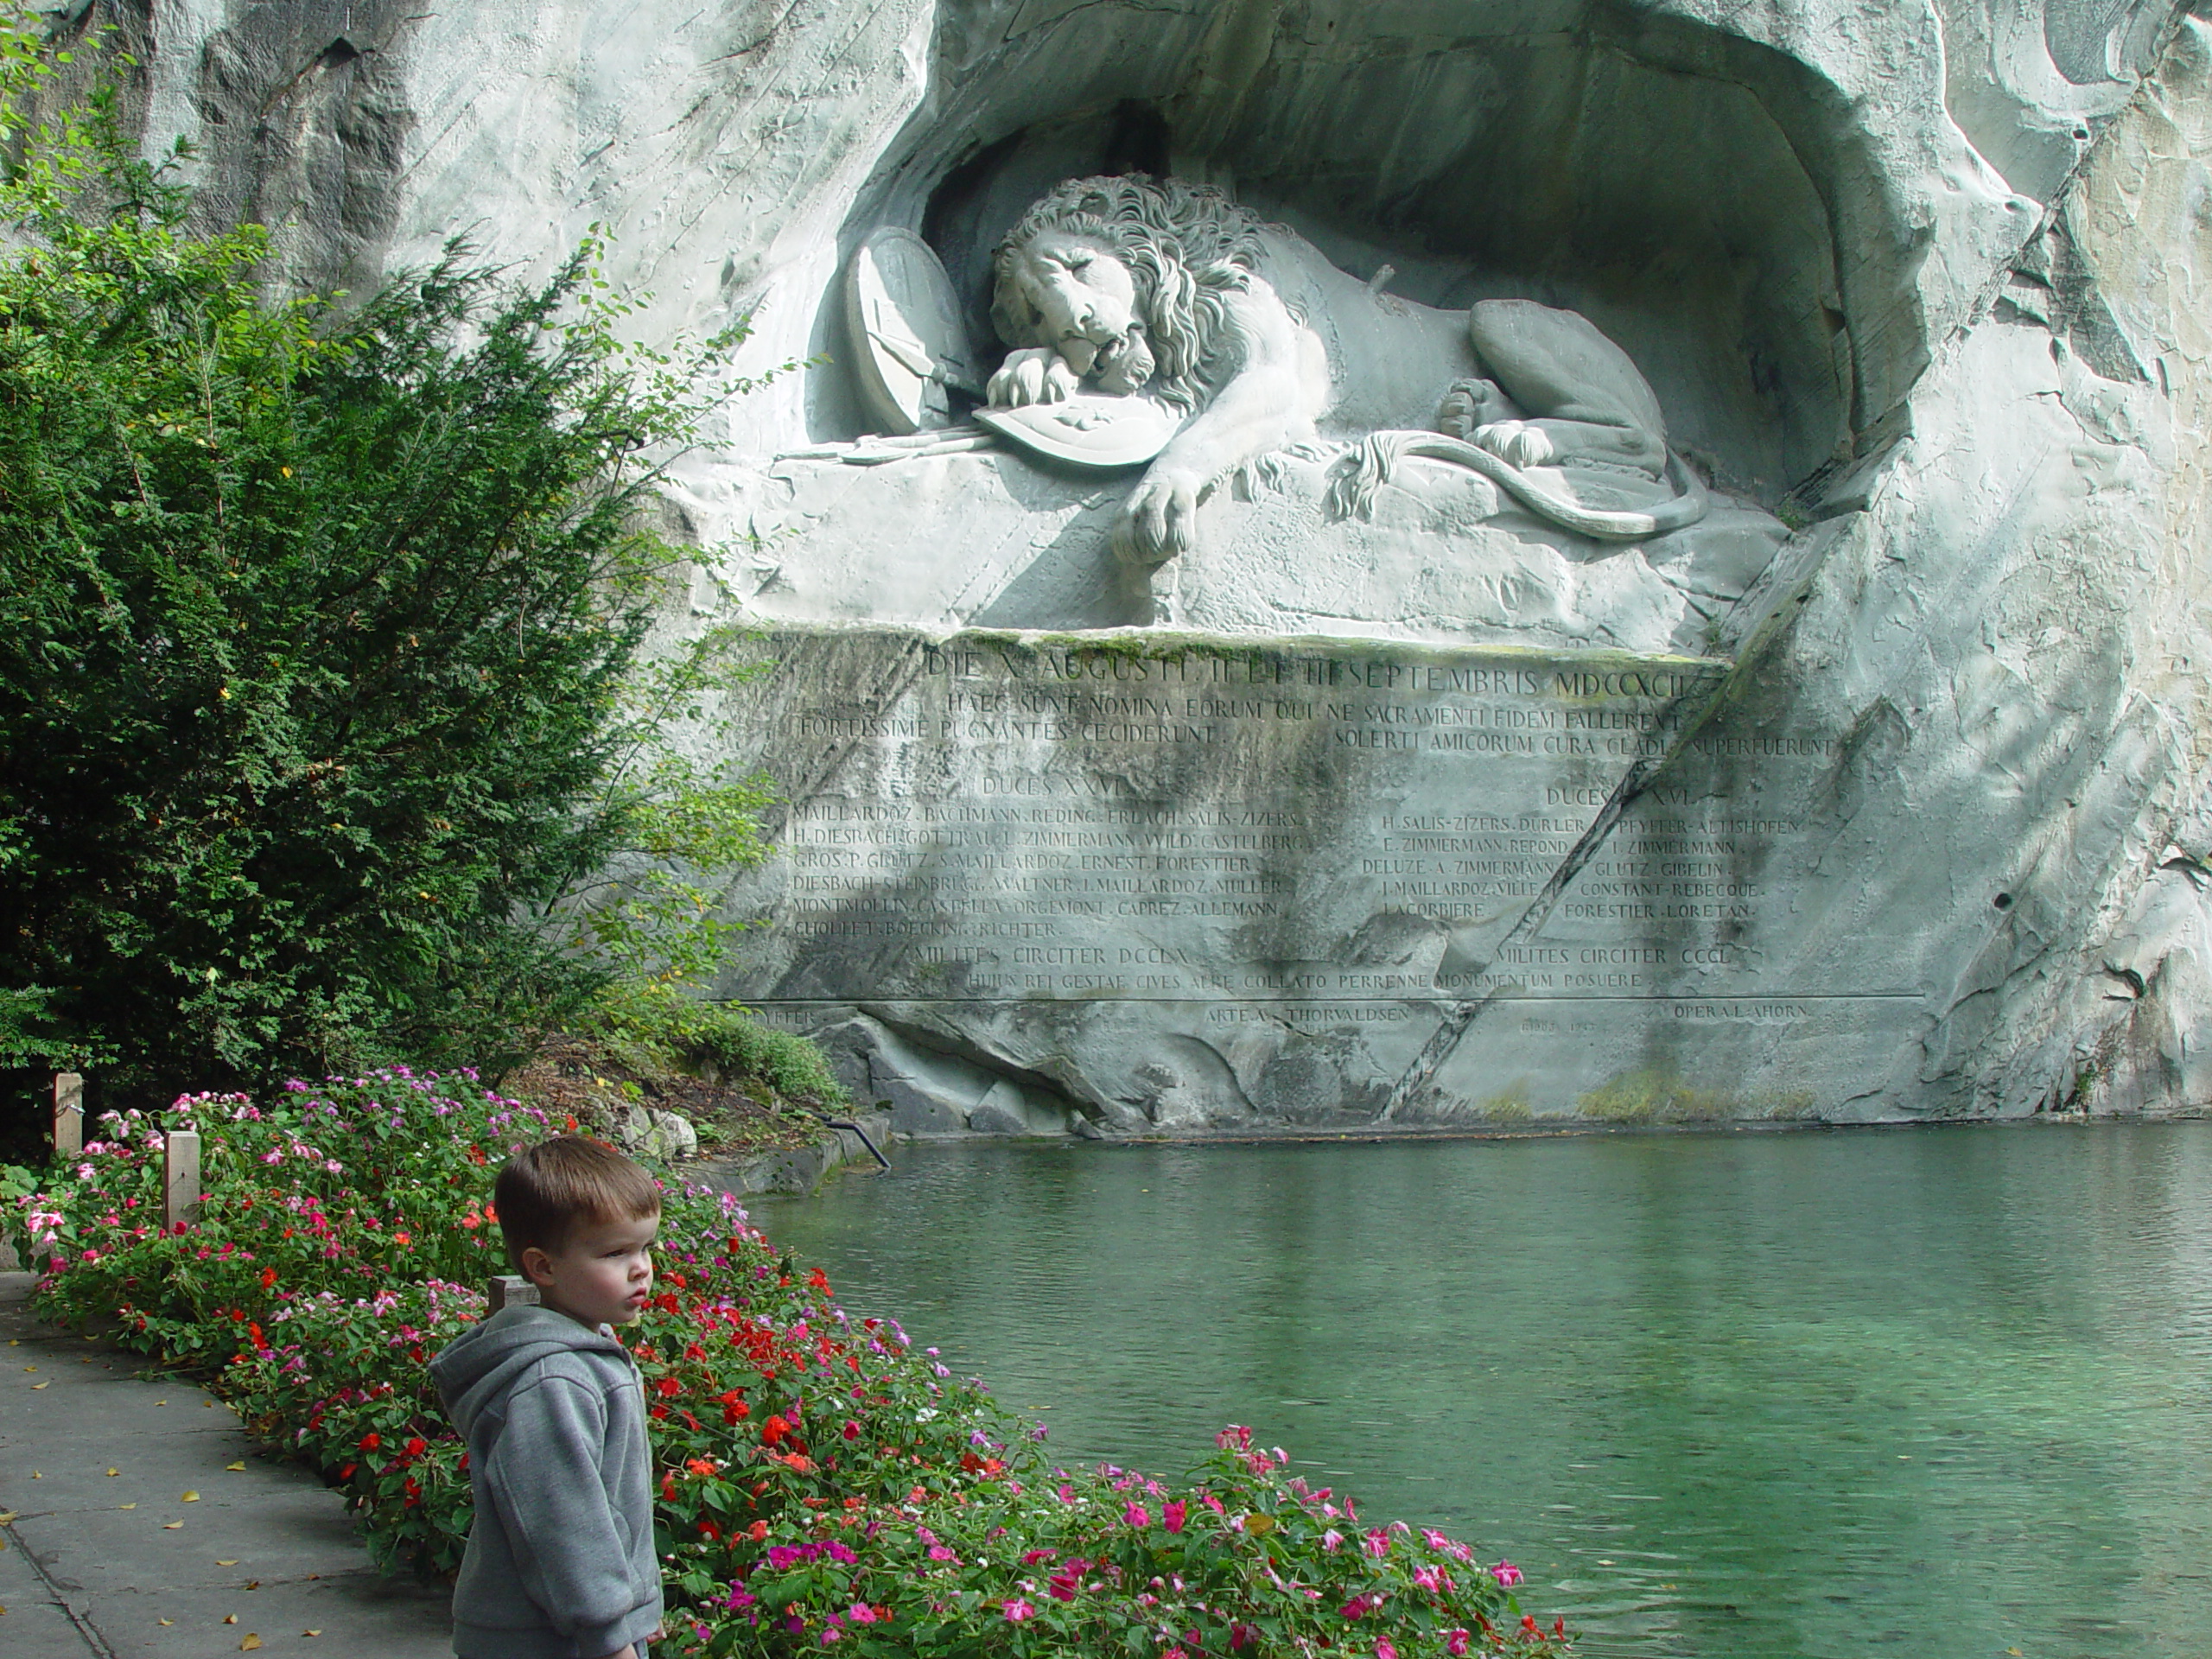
[{"x": 1937, "y": 1392}]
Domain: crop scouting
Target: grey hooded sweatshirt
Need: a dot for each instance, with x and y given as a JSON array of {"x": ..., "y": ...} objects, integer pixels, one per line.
[{"x": 560, "y": 1563}]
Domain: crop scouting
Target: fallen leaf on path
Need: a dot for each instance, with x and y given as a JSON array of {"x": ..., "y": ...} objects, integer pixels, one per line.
[
  {"x": 234, "y": 1467},
  {"x": 230, "y": 1619},
  {"x": 253, "y": 1584},
  {"x": 189, "y": 1497},
  {"x": 115, "y": 1471},
  {"x": 126, "y": 1506},
  {"x": 169, "y": 1621},
  {"x": 30, "y": 1367},
  {"x": 5, "y": 1519},
  {"x": 229, "y": 1563},
  {"x": 251, "y": 1642},
  {"x": 171, "y": 1526},
  {"x": 310, "y": 1632},
  {"x": 38, "y": 1385}
]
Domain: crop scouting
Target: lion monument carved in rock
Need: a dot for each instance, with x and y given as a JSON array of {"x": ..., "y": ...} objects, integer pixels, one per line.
[{"x": 1133, "y": 287}]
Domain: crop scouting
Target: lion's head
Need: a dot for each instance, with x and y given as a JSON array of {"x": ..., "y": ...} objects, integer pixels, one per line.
[{"x": 1126, "y": 278}]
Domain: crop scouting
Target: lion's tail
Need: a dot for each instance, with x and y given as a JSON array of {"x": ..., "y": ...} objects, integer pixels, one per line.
[{"x": 1372, "y": 461}]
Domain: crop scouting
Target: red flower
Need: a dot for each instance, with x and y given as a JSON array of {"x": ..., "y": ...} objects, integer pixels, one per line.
[
  {"x": 852, "y": 1431},
  {"x": 371, "y": 1441},
  {"x": 416, "y": 1447},
  {"x": 268, "y": 1277},
  {"x": 669, "y": 1387},
  {"x": 757, "y": 1531}
]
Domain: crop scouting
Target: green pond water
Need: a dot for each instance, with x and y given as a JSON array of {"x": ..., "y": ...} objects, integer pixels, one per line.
[{"x": 1945, "y": 1393}]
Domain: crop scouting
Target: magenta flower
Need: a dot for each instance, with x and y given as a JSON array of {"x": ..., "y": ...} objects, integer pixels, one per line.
[
  {"x": 1506, "y": 1573},
  {"x": 1332, "y": 1541},
  {"x": 1172, "y": 1515},
  {"x": 1384, "y": 1649},
  {"x": 862, "y": 1613},
  {"x": 1017, "y": 1610},
  {"x": 940, "y": 1553},
  {"x": 1135, "y": 1516},
  {"x": 1455, "y": 1644}
]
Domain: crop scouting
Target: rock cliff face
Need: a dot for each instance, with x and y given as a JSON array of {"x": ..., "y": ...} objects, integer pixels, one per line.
[{"x": 1895, "y": 809}]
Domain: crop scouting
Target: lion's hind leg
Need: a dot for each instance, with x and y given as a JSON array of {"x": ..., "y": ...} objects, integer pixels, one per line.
[
  {"x": 1584, "y": 400},
  {"x": 1469, "y": 405}
]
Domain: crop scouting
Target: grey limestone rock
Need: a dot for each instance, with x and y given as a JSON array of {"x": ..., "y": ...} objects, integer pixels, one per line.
[{"x": 1882, "y": 793}]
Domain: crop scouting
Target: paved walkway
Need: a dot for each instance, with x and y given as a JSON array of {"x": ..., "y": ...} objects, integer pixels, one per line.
[{"x": 100, "y": 1554}]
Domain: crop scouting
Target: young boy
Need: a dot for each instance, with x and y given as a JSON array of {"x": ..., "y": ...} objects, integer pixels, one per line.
[{"x": 560, "y": 1563}]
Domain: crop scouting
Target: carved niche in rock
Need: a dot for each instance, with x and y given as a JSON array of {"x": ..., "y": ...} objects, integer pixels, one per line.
[{"x": 1155, "y": 323}]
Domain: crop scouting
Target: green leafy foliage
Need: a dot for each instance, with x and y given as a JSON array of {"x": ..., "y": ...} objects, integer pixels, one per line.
[
  {"x": 821, "y": 1483},
  {"x": 322, "y": 709},
  {"x": 652, "y": 1024}
]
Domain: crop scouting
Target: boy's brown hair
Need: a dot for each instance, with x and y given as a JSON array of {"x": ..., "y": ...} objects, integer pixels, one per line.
[{"x": 546, "y": 1191}]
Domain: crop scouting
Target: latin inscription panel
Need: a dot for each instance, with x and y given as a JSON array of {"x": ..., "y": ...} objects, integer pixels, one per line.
[{"x": 1187, "y": 882}]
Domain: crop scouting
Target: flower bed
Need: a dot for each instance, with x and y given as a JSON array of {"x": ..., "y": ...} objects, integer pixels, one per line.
[{"x": 821, "y": 1483}]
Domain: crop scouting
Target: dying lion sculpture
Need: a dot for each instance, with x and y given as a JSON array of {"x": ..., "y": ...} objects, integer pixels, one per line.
[{"x": 1137, "y": 286}]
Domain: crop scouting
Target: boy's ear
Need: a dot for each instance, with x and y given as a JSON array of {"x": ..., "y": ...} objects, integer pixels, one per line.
[{"x": 536, "y": 1265}]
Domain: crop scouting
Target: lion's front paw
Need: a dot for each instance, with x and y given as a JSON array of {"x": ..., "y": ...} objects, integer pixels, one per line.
[
  {"x": 1159, "y": 520},
  {"x": 1518, "y": 443},
  {"x": 1036, "y": 374}
]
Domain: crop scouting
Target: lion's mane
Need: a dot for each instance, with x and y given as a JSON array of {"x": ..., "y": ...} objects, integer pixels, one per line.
[{"x": 1188, "y": 247}]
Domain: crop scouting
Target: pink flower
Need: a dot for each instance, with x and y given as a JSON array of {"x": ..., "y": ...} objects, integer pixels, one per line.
[
  {"x": 1017, "y": 1610},
  {"x": 1332, "y": 1541},
  {"x": 1384, "y": 1649},
  {"x": 940, "y": 1553},
  {"x": 1455, "y": 1644},
  {"x": 1136, "y": 1517},
  {"x": 862, "y": 1613},
  {"x": 1172, "y": 1515},
  {"x": 1506, "y": 1573},
  {"x": 1378, "y": 1544},
  {"x": 1434, "y": 1539}
]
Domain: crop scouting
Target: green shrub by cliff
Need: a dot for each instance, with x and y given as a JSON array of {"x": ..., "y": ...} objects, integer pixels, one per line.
[{"x": 321, "y": 713}]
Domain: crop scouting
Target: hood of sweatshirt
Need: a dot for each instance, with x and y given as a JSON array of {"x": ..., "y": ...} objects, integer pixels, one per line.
[{"x": 476, "y": 1370}]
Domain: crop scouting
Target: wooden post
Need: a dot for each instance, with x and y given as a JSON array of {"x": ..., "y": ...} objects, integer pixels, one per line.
[
  {"x": 68, "y": 1114},
  {"x": 508, "y": 1289},
  {"x": 180, "y": 1177}
]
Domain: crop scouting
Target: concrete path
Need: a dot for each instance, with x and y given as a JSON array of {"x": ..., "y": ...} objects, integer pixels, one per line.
[{"x": 100, "y": 1554}]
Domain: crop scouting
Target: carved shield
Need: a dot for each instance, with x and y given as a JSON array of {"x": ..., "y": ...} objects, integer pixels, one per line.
[{"x": 909, "y": 341}]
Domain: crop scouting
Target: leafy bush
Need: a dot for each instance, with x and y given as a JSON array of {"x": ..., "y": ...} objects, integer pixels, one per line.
[
  {"x": 321, "y": 711},
  {"x": 653, "y": 1025},
  {"x": 821, "y": 1483}
]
